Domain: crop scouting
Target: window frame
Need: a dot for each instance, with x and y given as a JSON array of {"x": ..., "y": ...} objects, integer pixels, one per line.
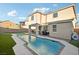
[
  {"x": 54, "y": 29},
  {"x": 55, "y": 15},
  {"x": 32, "y": 17}
]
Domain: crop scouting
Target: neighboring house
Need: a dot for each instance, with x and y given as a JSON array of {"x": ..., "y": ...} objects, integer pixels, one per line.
[
  {"x": 22, "y": 24},
  {"x": 9, "y": 24},
  {"x": 77, "y": 26},
  {"x": 76, "y": 29},
  {"x": 60, "y": 23}
]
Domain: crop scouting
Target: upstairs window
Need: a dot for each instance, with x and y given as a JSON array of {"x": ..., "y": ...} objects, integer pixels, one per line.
[
  {"x": 32, "y": 18},
  {"x": 55, "y": 15}
]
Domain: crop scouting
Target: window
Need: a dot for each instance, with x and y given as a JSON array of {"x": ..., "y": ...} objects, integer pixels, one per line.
[
  {"x": 55, "y": 15},
  {"x": 32, "y": 18},
  {"x": 54, "y": 28}
]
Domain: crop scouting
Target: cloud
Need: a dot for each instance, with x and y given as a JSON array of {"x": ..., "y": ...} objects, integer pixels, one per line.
[
  {"x": 43, "y": 10},
  {"x": 12, "y": 13},
  {"x": 22, "y": 17}
]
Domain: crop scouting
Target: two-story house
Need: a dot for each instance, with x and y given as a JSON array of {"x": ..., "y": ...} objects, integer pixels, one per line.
[{"x": 60, "y": 23}]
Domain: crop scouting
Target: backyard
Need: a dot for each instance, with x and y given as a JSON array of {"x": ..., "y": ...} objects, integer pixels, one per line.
[
  {"x": 6, "y": 44},
  {"x": 75, "y": 43}
]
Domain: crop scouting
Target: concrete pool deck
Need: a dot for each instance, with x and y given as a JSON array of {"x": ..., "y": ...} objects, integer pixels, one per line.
[{"x": 19, "y": 48}]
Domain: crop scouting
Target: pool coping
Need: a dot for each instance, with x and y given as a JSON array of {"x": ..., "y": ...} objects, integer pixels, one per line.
[{"x": 32, "y": 51}]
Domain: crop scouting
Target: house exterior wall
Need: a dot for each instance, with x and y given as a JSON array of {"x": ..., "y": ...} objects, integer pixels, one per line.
[
  {"x": 35, "y": 17},
  {"x": 64, "y": 30},
  {"x": 67, "y": 13},
  {"x": 8, "y": 24},
  {"x": 38, "y": 18},
  {"x": 27, "y": 23},
  {"x": 63, "y": 14},
  {"x": 43, "y": 19}
]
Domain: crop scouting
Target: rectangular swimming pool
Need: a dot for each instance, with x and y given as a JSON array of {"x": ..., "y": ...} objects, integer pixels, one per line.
[{"x": 44, "y": 46}]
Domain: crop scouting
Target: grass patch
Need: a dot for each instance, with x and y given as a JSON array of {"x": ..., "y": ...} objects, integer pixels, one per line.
[
  {"x": 75, "y": 43},
  {"x": 6, "y": 44}
]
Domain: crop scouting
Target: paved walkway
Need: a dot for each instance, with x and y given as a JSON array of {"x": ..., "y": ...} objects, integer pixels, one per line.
[
  {"x": 19, "y": 48},
  {"x": 68, "y": 49}
]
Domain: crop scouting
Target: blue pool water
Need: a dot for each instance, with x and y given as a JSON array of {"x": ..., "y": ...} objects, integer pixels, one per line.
[{"x": 45, "y": 46}]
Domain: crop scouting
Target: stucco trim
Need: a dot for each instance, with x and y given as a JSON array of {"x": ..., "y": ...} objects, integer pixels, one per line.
[{"x": 58, "y": 22}]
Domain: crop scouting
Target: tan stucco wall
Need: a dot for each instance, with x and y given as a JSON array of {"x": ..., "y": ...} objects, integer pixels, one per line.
[
  {"x": 35, "y": 17},
  {"x": 67, "y": 13},
  {"x": 38, "y": 18},
  {"x": 62, "y": 15},
  {"x": 27, "y": 23},
  {"x": 64, "y": 30},
  {"x": 8, "y": 24},
  {"x": 43, "y": 19}
]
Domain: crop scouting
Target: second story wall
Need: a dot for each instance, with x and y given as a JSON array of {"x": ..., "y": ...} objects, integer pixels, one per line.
[
  {"x": 43, "y": 19},
  {"x": 38, "y": 18},
  {"x": 62, "y": 14},
  {"x": 34, "y": 18},
  {"x": 67, "y": 13}
]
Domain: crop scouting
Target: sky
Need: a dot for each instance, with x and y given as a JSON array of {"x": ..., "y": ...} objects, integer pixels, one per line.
[{"x": 17, "y": 12}]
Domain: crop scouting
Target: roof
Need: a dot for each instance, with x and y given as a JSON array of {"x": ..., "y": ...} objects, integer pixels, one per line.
[
  {"x": 22, "y": 21},
  {"x": 73, "y": 5},
  {"x": 37, "y": 12},
  {"x": 60, "y": 21},
  {"x": 34, "y": 24},
  {"x": 4, "y": 21},
  {"x": 7, "y": 21}
]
